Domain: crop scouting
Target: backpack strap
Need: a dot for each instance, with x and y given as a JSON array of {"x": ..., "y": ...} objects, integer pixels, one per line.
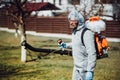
[{"x": 82, "y": 34}]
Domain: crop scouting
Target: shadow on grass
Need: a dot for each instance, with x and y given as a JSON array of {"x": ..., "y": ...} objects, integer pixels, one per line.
[
  {"x": 115, "y": 48},
  {"x": 9, "y": 47},
  {"x": 8, "y": 69}
]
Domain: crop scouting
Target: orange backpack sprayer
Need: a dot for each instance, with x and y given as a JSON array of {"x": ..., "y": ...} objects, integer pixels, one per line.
[
  {"x": 101, "y": 42},
  {"x": 101, "y": 45}
]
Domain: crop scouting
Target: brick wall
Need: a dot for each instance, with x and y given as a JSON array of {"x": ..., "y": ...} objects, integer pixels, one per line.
[
  {"x": 4, "y": 21},
  {"x": 113, "y": 29}
]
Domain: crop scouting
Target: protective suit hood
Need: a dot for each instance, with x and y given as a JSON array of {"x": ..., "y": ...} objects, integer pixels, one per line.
[{"x": 75, "y": 15}]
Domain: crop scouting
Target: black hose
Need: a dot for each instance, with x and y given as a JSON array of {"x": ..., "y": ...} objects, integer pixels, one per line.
[{"x": 28, "y": 46}]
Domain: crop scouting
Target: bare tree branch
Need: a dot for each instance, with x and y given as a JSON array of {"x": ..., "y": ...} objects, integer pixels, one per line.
[{"x": 24, "y": 2}]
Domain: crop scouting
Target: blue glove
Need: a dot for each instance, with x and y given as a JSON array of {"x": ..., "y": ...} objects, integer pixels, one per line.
[
  {"x": 62, "y": 45},
  {"x": 89, "y": 75}
]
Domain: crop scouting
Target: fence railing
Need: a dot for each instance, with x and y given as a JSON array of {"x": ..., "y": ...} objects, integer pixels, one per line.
[{"x": 56, "y": 25}]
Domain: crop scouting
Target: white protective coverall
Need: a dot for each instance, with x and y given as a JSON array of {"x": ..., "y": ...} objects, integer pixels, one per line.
[{"x": 84, "y": 56}]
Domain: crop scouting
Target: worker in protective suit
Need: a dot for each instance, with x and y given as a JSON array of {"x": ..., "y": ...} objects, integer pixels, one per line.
[{"x": 84, "y": 57}]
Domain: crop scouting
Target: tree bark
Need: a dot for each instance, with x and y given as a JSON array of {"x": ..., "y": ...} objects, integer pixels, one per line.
[{"x": 23, "y": 38}]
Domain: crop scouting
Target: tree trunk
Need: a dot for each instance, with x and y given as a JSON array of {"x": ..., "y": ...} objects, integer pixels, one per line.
[
  {"x": 23, "y": 38},
  {"x": 20, "y": 25},
  {"x": 23, "y": 50}
]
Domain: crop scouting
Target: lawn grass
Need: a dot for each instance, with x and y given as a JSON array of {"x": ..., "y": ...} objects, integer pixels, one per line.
[{"x": 52, "y": 66}]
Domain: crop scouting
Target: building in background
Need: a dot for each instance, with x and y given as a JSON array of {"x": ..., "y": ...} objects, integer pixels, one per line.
[{"x": 107, "y": 9}]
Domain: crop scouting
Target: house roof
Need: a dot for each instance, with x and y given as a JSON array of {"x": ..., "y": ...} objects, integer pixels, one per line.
[{"x": 29, "y": 7}]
